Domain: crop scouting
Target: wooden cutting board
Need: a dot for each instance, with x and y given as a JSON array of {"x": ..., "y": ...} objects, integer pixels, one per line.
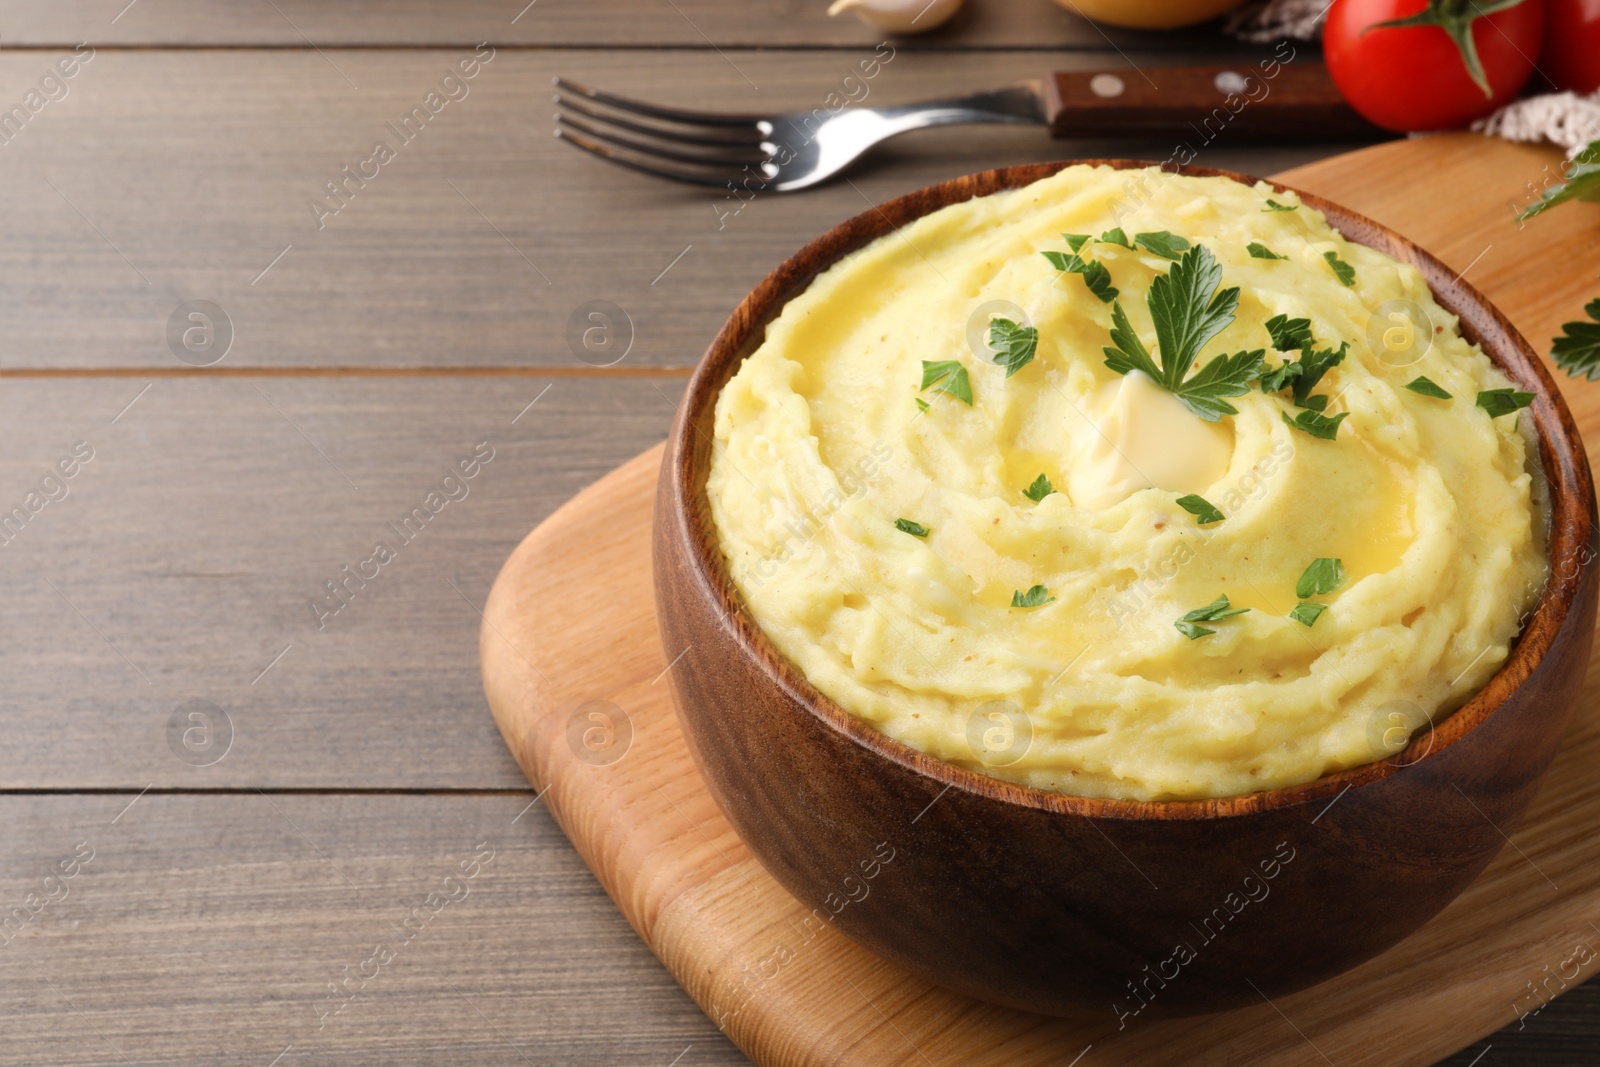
[{"x": 570, "y": 646}]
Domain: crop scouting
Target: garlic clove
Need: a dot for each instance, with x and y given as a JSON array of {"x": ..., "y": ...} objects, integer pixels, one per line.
[{"x": 900, "y": 16}]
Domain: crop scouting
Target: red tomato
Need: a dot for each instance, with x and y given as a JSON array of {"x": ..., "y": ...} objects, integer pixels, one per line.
[
  {"x": 1415, "y": 77},
  {"x": 1571, "y": 57}
]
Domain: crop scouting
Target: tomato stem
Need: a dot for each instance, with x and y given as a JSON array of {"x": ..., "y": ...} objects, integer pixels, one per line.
[{"x": 1455, "y": 17}]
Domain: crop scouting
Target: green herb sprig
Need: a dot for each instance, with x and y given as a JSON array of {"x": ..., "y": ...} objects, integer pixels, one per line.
[
  {"x": 1577, "y": 350},
  {"x": 947, "y": 376},
  {"x": 1188, "y": 308},
  {"x": 1316, "y": 423},
  {"x": 1036, "y": 596},
  {"x": 1096, "y": 276},
  {"x": 1188, "y": 624},
  {"x": 1427, "y": 387},
  {"x": 1322, "y": 577},
  {"x": 1504, "y": 401},
  {"x": 1014, "y": 344},
  {"x": 1582, "y": 183},
  {"x": 1203, "y": 510},
  {"x": 1346, "y": 273}
]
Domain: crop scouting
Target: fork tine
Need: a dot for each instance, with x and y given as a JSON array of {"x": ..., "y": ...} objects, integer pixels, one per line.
[
  {"x": 577, "y": 140},
  {"x": 639, "y": 107},
  {"x": 572, "y": 104},
  {"x": 752, "y": 155}
]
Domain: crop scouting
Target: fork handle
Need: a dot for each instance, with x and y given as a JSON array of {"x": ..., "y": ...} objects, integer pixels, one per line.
[{"x": 1265, "y": 100}]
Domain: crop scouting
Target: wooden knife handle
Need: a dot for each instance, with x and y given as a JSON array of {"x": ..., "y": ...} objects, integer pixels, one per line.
[{"x": 1254, "y": 100}]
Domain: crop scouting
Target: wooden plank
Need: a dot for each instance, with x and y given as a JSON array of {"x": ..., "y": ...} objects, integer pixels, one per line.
[
  {"x": 162, "y": 178},
  {"x": 184, "y": 556},
  {"x": 684, "y": 23},
  {"x": 207, "y": 929},
  {"x": 716, "y": 917}
]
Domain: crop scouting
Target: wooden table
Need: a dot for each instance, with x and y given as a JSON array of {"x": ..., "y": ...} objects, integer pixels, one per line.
[{"x": 218, "y": 798}]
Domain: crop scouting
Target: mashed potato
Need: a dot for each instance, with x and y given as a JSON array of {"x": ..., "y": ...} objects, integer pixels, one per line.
[{"x": 881, "y": 529}]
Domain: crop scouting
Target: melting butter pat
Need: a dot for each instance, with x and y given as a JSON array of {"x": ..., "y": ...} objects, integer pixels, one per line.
[{"x": 1139, "y": 436}]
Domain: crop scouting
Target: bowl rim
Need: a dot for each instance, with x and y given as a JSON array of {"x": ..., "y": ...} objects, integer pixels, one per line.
[{"x": 1563, "y": 462}]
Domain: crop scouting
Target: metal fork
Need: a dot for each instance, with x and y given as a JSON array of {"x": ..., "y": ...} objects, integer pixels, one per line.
[
  {"x": 780, "y": 152},
  {"x": 1267, "y": 100}
]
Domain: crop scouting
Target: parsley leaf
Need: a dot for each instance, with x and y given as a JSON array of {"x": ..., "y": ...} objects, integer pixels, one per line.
[
  {"x": 1115, "y": 236},
  {"x": 1316, "y": 423},
  {"x": 1308, "y": 612},
  {"x": 1162, "y": 243},
  {"x": 922, "y": 405},
  {"x": 1427, "y": 387},
  {"x": 1188, "y": 309},
  {"x": 1203, "y": 510},
  {"x": 1273, "y": 205},
  {"x": 1346, "y": 273},
  {"x": 1289, "y": 335},
  {"x": 1303, "y": 374},
  {"x": 1499, "y": 402},
  {"x": 1315, "y": 363},
  {"x": 1013, "y": 345},
  {"x": 1279, "y": 378},
  {"x": 947, "y": 376},
  {"x": 915, "y": 529},
  {"x": 1040, "y": 489},
  {"x": 1260, "y": 251},
  {"x": 1037, "y": 596},
  {"x": 1323, "y": 576},
  {"x": 1217, "y": 609},
  {"x": 1076, "y": 241},
  {"x": 1095, "y": 275},
  {"x": 1127, "y": 352},
  {"x": 1577, "y": 350},
  {"x": 1582, "y": 183},
  {"x": 1222, "y": 377}
]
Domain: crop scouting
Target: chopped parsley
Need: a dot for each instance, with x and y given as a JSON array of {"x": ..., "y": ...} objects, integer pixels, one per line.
[
  {"x": 1273, "y": 205},
  {"x": 1013, "y": 345},
  {"x": 922, "y": 405},
  {"x": 1323, "y": 576},
  {"x": 1302, "y": 375},
  {"x": 1316, "y": 423},
  {"x": 1162, "y": 243},
  {"x": 1346, "y": 273},
  {"x": 1499, "y": 402},
  {"x": 1203, "y": 510},
  {"x": 1076, "y": 241},
  {"x": 1188, "y": 308},
  {"x": 1577, "y": 350},
  {"x": 947, "y": 376},
  {"x": 1308, "y": 612},
  {"x": 1427, "y": 387},
  {"x": 1212, "y": 612},
  {"x": 1035, "y": 597},
  {"x": 1258, "y": 250},
  {"x": 915, "y": 529},
  {"x": 1095, "y": 275},
  {"x": 1040, "y": 489},
  {"x": 1289, "y": 335},
  {"x": 1115, "y": 236}
]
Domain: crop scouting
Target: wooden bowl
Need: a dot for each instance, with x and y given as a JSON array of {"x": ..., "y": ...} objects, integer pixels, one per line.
[{"x": 1069, "y": 905}]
